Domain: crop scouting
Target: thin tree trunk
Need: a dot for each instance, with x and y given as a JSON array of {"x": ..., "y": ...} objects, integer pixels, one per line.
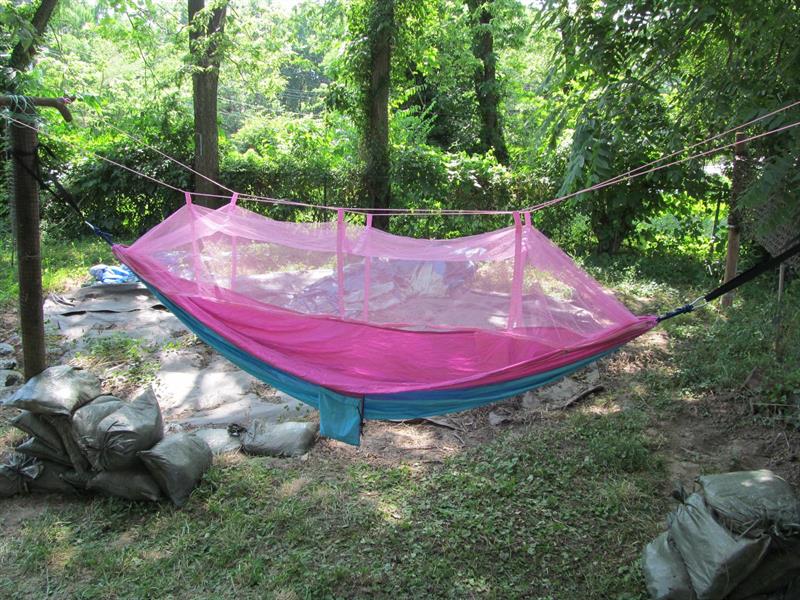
[
  {"x": 204, "y": 37},
  {"x": 25, "y": 211},
  {"x": 22, "y": 54},
  {"x": 376, "y": 135},
  {"x": 737, "y": 190},
  {"x": 491, "y": 135}
]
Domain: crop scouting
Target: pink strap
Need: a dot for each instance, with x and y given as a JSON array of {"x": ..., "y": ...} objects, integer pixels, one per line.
[
  {"x": 515, "y": 306},
  {"x": 340, "y": 258},
  {"x": 188, "y": 197},
  {"x": 527, "y": 218},
  {"x": 367, "y": 268},
  {"x": 234, "y": 198}
]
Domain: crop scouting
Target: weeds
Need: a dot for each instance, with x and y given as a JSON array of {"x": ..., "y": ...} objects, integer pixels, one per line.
[{"x": 120, "y": 357}]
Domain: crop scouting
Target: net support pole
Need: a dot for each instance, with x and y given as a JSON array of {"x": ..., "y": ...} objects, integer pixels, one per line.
[
  {"x": 234, "y": 249},
  {"x": 781, "y": 280},
  {"x": 515, "y": 307},
  {"x": 196, "y": 262},
  {"x": 340, "y": 259},
  {"x": 367, "y": 267},
  {"x": 737, "y": 189}
]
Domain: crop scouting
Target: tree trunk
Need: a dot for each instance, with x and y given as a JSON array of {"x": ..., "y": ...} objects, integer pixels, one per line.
[
  {"x": 738, "y": 186},
  {"x": 29, "y": 259},
  {"x": 491, "y": 135},
  {"x": 205, "y": 32},
  {"x": 25, "y": 212},
  {"x": 376, "y": 134},
  {"x": 23, "y": 53}
]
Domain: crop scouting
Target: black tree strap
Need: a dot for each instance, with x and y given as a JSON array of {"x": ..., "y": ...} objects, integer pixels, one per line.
[
  {"x": 741, "y": 279},
  {"x": 62, "y": 194}
]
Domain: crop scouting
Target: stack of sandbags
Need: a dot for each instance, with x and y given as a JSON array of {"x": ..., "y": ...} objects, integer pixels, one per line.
[
  {"x": 736, "y": 538},
  {"x": 83, "y": 441}
]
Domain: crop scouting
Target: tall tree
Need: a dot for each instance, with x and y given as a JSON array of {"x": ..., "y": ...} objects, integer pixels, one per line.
[
  {"x": 205, "y": 36},
  {"x": 486, "y": 89},
  {"x": 380, "y": 39}
]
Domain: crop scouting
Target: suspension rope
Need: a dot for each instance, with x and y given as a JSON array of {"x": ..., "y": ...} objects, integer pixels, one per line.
[
  {"x": 705, "y": 141},
  {"x": 629, "y": 175},
  {"x": 614, "y": 181},
  {"x": 741, "y": 279},
  {"x": 99, "y": 156}
]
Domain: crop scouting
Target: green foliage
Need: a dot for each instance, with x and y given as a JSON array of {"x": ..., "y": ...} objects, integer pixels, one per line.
[
  {"x": 587, "y": 91},
  {"x": 64, "y": 263},
  {"x": 121, "y": 356},
  {"x": 718, "y": 351}
]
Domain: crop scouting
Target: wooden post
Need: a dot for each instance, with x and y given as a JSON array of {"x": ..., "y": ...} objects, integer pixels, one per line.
[
  {"x": 25, "y": 199},
  {"x": 737, "y": 188}
]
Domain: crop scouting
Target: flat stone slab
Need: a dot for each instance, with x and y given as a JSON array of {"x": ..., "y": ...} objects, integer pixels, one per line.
[
  {"x": 104, "y": 309},
  {"x": 559, "y": 395},
  {"x": 184, "y": 383},
  {"x": 244, "y": 409}
]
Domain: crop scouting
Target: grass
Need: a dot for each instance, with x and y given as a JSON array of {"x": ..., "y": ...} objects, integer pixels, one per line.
[
  {"x": 559, "y": 509},
  {"x": 556, "y": 514},
  {"x": 128, "y": 360},
  {"x": 64, "y": 263}
]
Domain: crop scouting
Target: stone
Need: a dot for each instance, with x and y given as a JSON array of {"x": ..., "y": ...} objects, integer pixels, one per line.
[
  {"x": 6, "y": 393},
  {"x": 10, "y": 377},
  {"x": 185, "y": 383},
  {"x": 6, "y": 350},
  {"x": 59, "y": 390},
  {"x": 496, "y": 419},
  {"x": 219, "y": 440},
  {"x": 8, "y": 364},
  {"x": 292, "y": 438}
]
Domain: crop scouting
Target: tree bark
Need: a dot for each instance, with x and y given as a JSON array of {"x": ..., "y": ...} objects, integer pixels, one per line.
[
  {"x": 29, "y": 259},
  {"x": 22, "y": 54},
  {"x": 205, "y": 32},
  {"x": 491, "y": 134},
  {"x": 25, "y": 211},
  {"x": 738, "y": 185},
  {"x": 376, "y": 134}
]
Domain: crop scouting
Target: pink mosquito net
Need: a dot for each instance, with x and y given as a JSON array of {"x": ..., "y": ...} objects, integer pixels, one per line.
[{"x": 360, "y": 311}]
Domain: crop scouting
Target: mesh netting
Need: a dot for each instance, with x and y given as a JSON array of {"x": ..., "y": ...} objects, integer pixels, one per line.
[{"x": 356, "y": 308}]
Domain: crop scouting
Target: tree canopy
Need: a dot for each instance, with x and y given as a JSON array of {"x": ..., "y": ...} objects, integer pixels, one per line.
[{"x": 500, "y": 104}]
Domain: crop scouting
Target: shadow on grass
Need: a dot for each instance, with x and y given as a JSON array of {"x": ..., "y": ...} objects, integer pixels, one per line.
[{"x": 559, "y": 511}]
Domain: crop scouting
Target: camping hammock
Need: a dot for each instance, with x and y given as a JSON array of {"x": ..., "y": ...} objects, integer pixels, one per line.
[{"x": 360, "y": 323}]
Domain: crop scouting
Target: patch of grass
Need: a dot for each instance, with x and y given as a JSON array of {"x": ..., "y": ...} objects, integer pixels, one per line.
[
  {"x": 717, "y": 349},
  {"x": 539, "y": 515},
  {"x": 121, "y": 357},
  {"x": 64, "y": 263}
]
